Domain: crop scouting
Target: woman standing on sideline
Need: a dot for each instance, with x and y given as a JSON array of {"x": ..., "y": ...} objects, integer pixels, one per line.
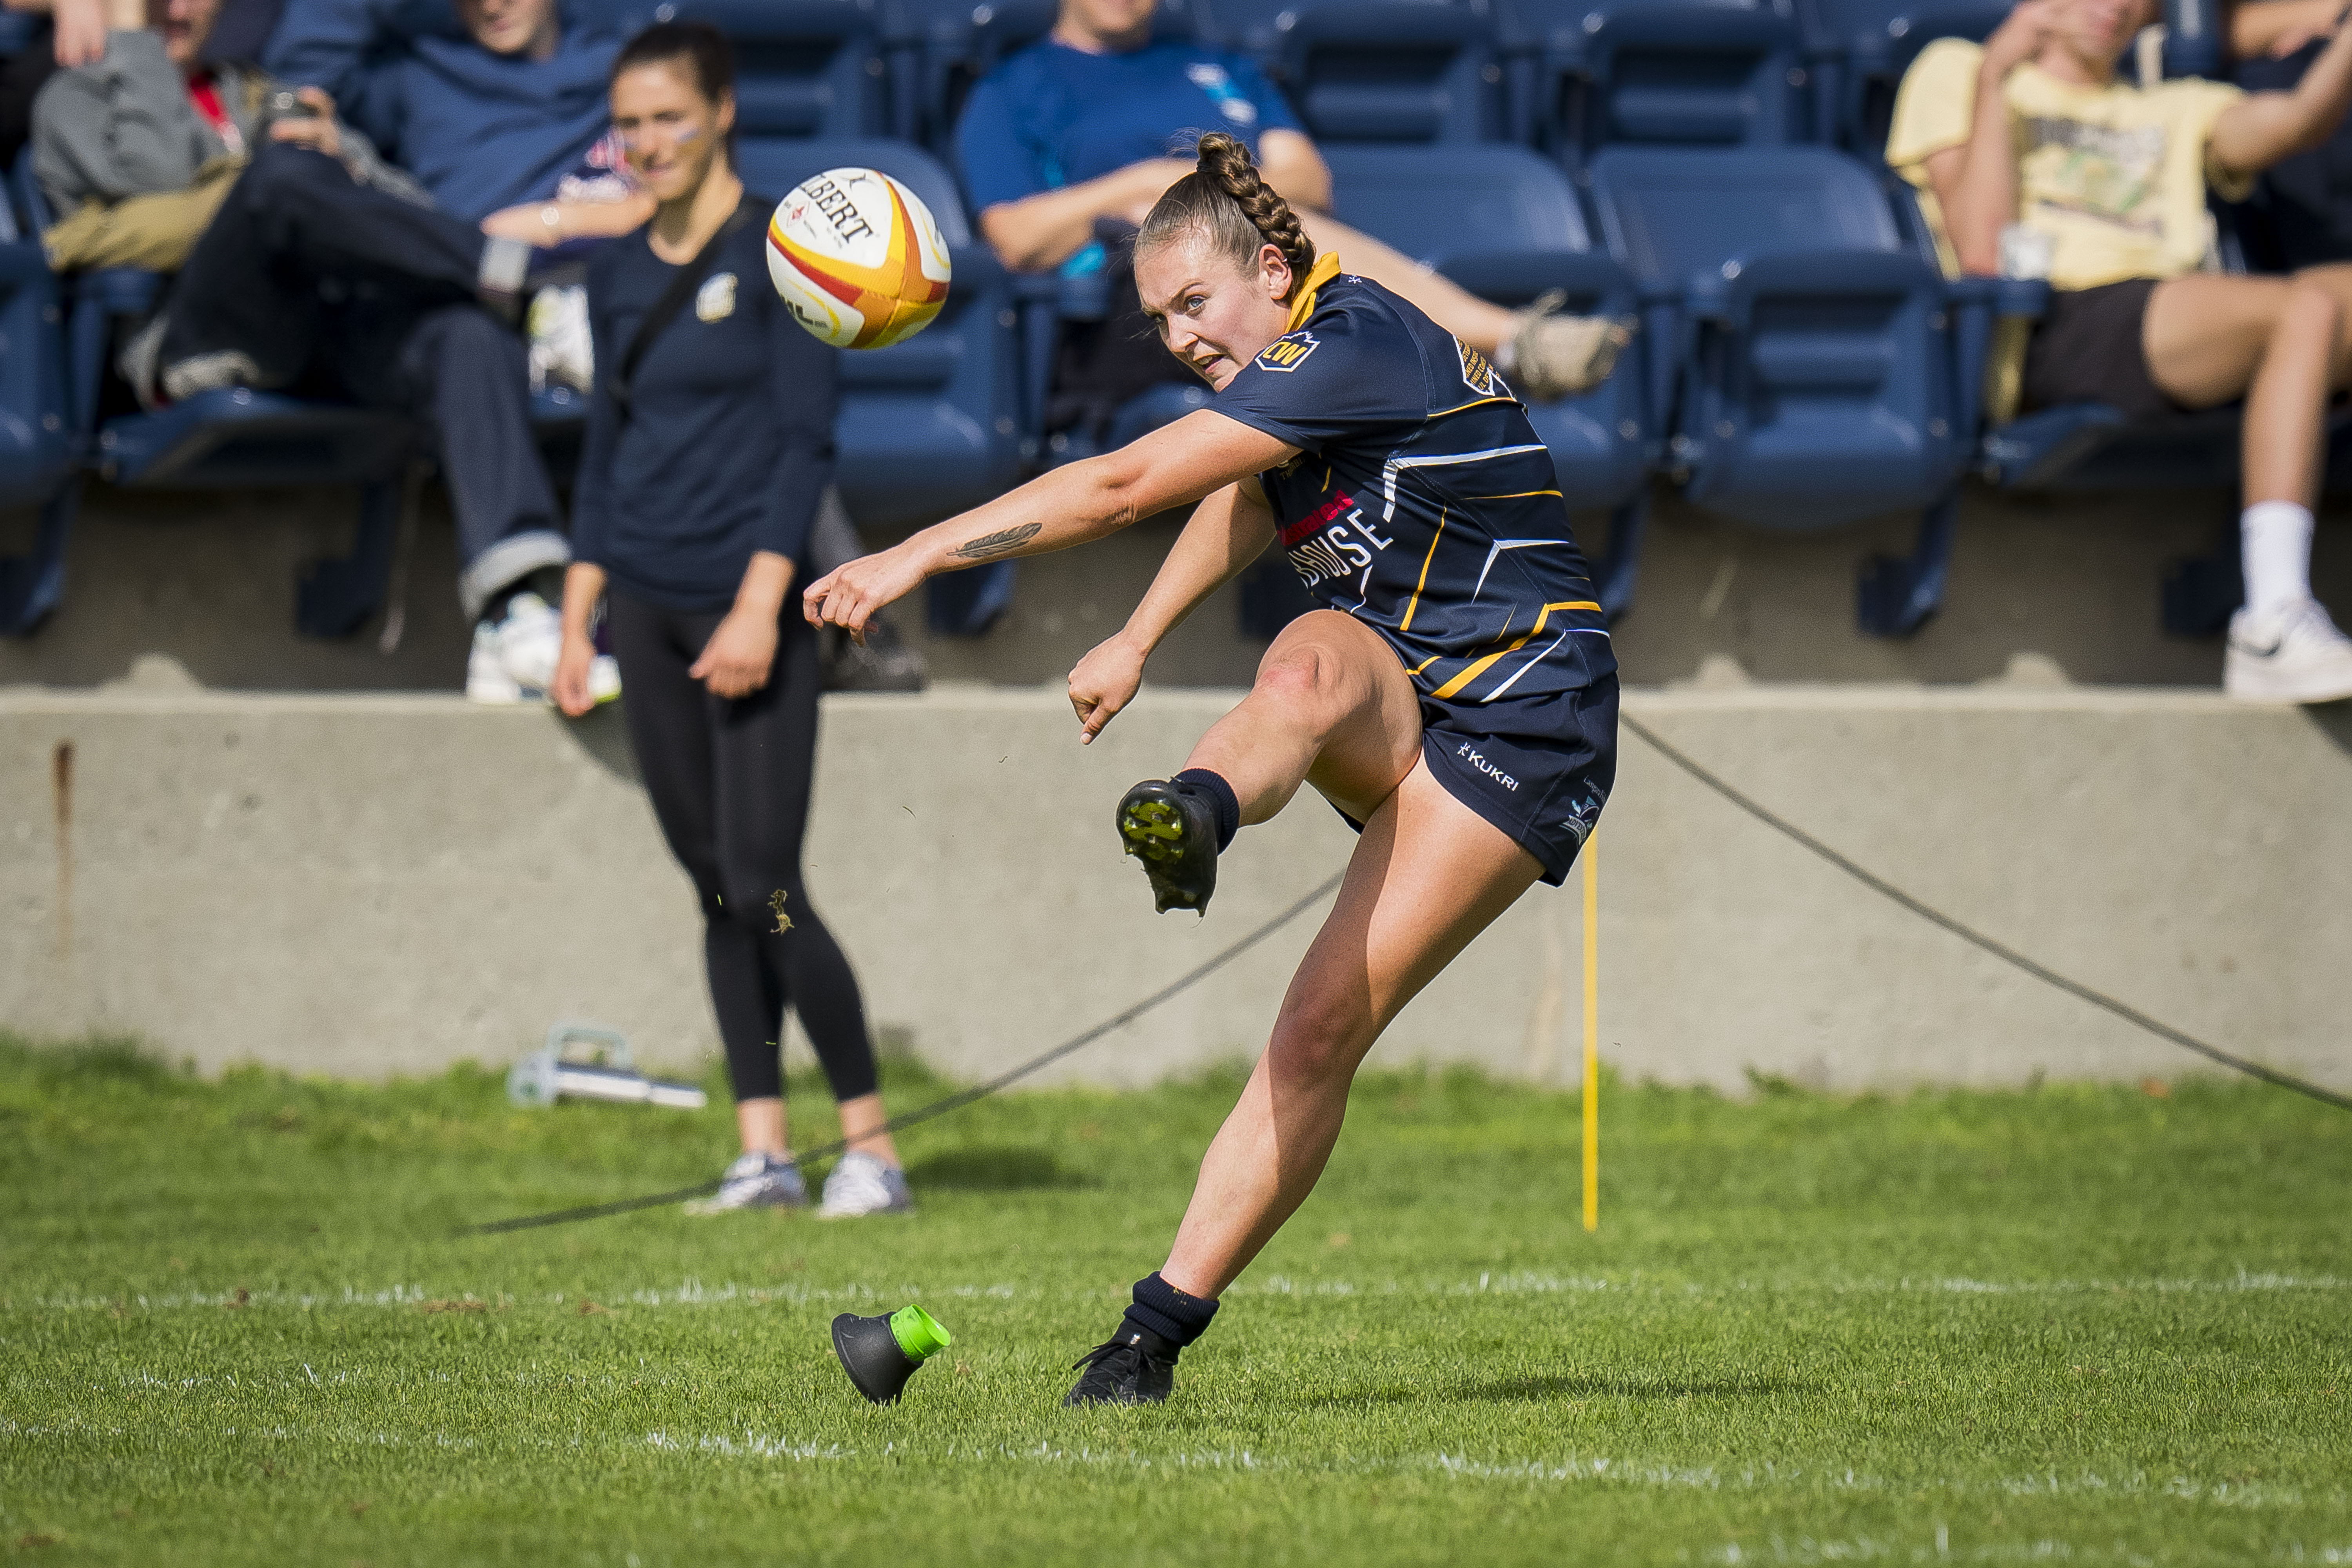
[{"x": 709, "y": 444}]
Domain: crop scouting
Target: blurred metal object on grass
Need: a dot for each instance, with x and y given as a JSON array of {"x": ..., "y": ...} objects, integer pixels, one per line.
[{"x": 547, "y": 1076}]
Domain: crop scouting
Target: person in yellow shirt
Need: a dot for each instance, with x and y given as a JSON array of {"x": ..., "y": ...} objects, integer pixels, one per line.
[{"x": 2029, "y": 143}]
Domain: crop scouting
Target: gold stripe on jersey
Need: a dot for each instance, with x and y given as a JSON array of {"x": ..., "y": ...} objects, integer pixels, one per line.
[
  {"x": 1472, "y": 403},
  {"x": 1325, "y": 267},
  {"x": 1406, "y": 624},
  {"x": 1479, "y": 666}
]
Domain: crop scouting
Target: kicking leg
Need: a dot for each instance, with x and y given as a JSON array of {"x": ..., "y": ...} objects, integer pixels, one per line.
[
  {"x": 1428, "y": 876},
  {"x": 1332, "y": 703}
]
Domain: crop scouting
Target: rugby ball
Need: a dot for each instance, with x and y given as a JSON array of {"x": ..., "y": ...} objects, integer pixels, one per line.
[{"x": 858, "y": 258}]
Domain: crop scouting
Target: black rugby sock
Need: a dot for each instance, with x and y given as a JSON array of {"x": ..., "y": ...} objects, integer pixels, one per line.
[
  {"x": 1221, "y": 794},
  {"x": 1169, "y": 1312}
]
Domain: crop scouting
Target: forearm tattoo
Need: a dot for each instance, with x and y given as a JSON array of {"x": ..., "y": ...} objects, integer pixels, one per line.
[{"x": 990, "y": 545}]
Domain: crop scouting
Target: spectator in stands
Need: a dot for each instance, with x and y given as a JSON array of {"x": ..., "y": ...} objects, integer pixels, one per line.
[
  {"x": 709, "y": 448},
  {"x": 322, "y": 271},
  {"x": 1088, "y": 126},
  {"x": 78, "y": 37},
  {"x": 137, "y": 149},
  {"x": 2033, "y": 132},
  {"x": 75, "y": 37}
]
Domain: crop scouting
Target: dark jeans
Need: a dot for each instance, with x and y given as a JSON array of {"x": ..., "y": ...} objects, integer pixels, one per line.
[
  {"x": 334, "y": 286},
  {"x": 729, "y": 784}
]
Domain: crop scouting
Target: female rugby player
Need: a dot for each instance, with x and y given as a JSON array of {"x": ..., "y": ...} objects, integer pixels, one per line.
[{"x": 1456, "y": 699}]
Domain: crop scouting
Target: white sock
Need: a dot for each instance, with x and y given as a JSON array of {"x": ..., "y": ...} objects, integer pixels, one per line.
[{"x": 2275, "y": 542}]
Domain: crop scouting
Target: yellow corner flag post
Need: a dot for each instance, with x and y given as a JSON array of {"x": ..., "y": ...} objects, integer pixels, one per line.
[{"x": 1591, "y": 1040}]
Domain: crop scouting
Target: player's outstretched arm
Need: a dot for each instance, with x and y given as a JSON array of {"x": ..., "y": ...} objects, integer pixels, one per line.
[
  {"x": 1226, "y": 532},
  {"x": 1174, "y": 465}
]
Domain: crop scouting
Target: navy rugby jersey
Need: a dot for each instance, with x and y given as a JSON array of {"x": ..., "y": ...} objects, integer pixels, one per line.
[{"x": 1422, "y": 502}]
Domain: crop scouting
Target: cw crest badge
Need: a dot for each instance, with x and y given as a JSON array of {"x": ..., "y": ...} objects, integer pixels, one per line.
[
  {"x": 1478, "y": 370},
  {"x": 1287, "y": 351}
]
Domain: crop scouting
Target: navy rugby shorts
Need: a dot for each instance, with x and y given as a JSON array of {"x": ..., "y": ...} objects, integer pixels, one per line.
[{"x": 1539, "y": 769}]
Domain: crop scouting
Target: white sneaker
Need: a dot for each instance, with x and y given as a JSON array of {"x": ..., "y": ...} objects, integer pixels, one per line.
[
  {"x": 755, "y": 1182},
  {"x": 514, "y": 659},
  {"x": 487, "y": 679},
  {"x": 862, "y": 1184},
  {"x": 2293, "y": 653}
]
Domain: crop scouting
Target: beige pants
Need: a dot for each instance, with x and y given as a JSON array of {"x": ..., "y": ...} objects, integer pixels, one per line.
[{"x": 155, "y": 231}]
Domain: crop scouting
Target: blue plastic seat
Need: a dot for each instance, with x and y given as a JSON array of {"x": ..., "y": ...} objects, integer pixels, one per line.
[
  {"x": 802, "y": 68},
  {"x": 1862, "y": 48},
  {"x": 940, "y": 47},
  {"x": 2196, "y": 39},
  {"x": 932, "y": 425},
  {"x": 226, "y": 439},
  {"x": 1818, "y": 381},
  {"x": 37, "y": 438},
  {"x": 1504, "y": 223},
  {"x": 1376, "y": 71},
  {"x": 17, "y": 31},
  {"x": 1587, "y": 74}
]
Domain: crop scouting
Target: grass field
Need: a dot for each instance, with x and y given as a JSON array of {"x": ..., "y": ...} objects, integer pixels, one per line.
[{"x": 2071, "y": 1324}]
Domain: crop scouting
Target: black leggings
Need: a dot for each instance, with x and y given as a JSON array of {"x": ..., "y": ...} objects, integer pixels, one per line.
[{"x": 729, "y": 782}]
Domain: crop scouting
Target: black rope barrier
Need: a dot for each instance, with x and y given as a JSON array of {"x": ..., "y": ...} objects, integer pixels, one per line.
[
  {"x": 962, "y": 1097},
  {"x": 1977, "y": 939}
]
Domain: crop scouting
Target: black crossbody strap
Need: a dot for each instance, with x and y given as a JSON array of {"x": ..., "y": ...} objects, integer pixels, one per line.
[{"x": 682, "y": 285}]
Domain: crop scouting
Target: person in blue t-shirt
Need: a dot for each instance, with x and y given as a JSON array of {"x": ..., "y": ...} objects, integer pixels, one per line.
[
  {"x": 1088, "y": 126},
  {"x": 1455, "y": 695}
]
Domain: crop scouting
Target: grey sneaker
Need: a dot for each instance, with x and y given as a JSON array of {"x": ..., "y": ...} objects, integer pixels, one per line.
[
  {"x": 862, "y": 1184},
  {"x": 1554, "y": 356},
  {"x": 756, "y": 1182},
  {"x": 209, "y": 372},
  {"x": 139, "y": 362}
]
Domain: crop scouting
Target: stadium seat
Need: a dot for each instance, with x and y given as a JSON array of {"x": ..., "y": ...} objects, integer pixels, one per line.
[
  {"x": 802, "y": 68},
  {"x": 1818, "y": 381},
  {"x": 1505, "y": 224},
  {"x": 1376, "y": 71},
  {"x": 1860, "y": 48},
  {"x": 1588, "y": 74},
  {"x": 17, "y": 31},
  {"x": 2196, "y": 39},
  {"x": 932, "y": 425},
  {"x": 37, "y": 438},
  {"x": 232, "y": 438},
  {"x": 940, "y": 47}
]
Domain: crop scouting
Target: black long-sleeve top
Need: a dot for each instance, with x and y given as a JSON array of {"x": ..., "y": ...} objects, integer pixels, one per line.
[{"x": 728, "y": 444}]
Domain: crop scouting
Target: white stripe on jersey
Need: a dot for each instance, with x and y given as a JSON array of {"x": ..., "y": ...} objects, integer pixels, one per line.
[
  {"x": 1389, "y": 469},
  {"x": 1497, "y": 548}
]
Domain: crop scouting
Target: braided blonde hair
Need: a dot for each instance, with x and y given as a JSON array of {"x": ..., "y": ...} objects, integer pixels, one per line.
[{"x": 1227, "y": 200}]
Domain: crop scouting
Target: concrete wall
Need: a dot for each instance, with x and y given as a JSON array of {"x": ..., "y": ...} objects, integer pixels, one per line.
[
  {"x": 189, "y": 592},
  {"x": 373, "y": 884}
]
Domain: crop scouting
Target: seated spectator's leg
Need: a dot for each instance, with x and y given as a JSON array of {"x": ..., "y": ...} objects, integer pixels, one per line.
[
  {"x": 469, "y": 377},
  {"x": 1545, "y": 355},
  {"x": 2282, "y": 345},
  {"x": 294, "y": 217},
  {"x": 1484, "y": 327}
]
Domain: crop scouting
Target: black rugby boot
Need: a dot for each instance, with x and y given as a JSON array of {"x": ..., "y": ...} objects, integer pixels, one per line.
[
  {"x": 1134, "y": 1366},
  {"x": 1172, "y": 828}
]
